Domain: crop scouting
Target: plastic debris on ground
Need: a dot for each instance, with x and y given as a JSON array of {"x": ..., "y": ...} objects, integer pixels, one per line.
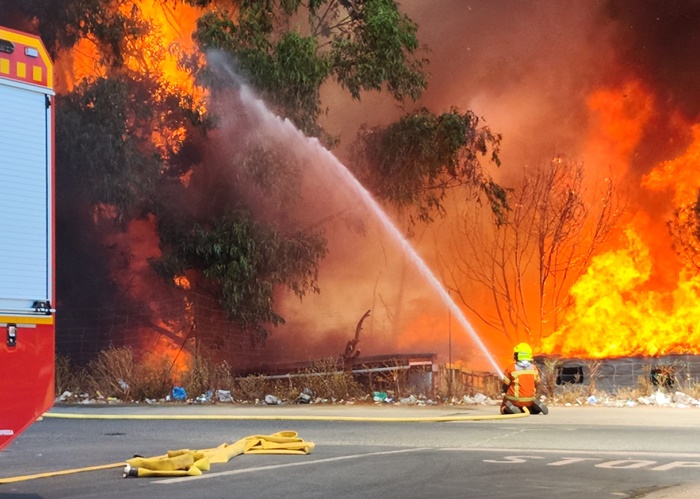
[
  {"x": 410, "y": 400},
  {"x": 224, "y": 395},
  {"x": 306, "y": 396},
  {"x": 179, "y": 394},
  {"x": 272, "y": 400},
  {"x": 64, "y": 396},
  {"x": 379, "y": 396},
  {"x": 205, "y": 397},
  {"x": 480, "y": 398}
]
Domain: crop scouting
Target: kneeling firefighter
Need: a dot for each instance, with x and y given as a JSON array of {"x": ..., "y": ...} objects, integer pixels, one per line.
[{"x": 520, "y": 384}]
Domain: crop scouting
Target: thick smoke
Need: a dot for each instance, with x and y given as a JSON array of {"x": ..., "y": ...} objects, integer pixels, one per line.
[
  {"x": 660, "y": 40},
  {"x": 529, "y": 69}
]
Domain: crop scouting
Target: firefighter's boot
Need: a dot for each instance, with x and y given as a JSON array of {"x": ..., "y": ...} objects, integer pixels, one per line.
[
  {"x": 510, "y": 408},
  {"x": 540, "y": 407}
]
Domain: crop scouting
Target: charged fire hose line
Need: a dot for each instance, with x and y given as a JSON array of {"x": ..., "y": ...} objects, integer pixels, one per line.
[
  {"x": 231, "y": 417},
  {"x": 48, "y": 474}
]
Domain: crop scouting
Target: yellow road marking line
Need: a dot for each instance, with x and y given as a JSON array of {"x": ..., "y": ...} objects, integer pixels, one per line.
[{"x": 231, "y": 417}]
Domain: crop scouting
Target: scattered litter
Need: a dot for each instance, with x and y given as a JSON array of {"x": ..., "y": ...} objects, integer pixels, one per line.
[
  {"x": 306, "y": 396},
  {"x": 224, "y": 395},
  {"x": 686, "y": 400},
  {"x": 205, "y": 397},
  {"x": 661, "y": 398},
  {"x": 64, "y": 396},
  {"x": 272, "y": 400},
  {"x": 592, "y": 400},
  {"x": 480, "y": 398},
  {"x": 379, "y": 396},
  {"x": 410, "y": 400},
  {"x": 179, "y": 394}
]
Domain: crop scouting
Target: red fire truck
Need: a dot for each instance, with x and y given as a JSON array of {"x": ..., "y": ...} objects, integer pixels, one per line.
[{"x": 27, "y": 289}]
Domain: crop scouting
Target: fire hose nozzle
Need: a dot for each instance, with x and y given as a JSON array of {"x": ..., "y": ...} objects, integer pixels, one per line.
[{"x": 130, "y": 471}]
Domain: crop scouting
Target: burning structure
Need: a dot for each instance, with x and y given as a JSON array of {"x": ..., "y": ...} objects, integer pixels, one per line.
[{"x": 597, "y": 99}]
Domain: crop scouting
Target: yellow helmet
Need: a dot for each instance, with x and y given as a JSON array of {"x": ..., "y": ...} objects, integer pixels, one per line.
[{"x": 522, "y": 351}]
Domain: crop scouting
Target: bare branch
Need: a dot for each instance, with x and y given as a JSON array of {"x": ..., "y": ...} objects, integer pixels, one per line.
[{"x": 528, "y": 264}]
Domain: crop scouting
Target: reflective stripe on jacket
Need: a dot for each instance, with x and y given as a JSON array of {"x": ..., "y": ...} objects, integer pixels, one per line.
[{"x": 522, "y": 384}]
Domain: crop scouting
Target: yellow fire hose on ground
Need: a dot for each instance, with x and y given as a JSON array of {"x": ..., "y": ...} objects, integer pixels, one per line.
[
  {"x": 195, "y": 462},
  {"x": 231, "y": 417},
  {"x": 192, "y": 463},
  {"x": 185, "y": 462}
]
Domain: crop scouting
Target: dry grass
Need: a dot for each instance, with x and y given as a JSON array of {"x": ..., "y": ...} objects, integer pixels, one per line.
[
  {"x": 549, "y": 376},
  {"x": 151, "y": 380},
  {"x": 326, "y": 381},
  {"x": 116, "y": 373},
  {"x": 690, "y": 387},
  {"x": 285, "y": 390},
  {"x": 253, "y": 387},
  {"x": 199, "y": 378},
  {"x": 67, "y": 376},
  {"x": 204, "y": 375},
  {"x": 630, "y": 393},
  {"x": 322, "y": 379},
  {"x": 570, "y": 394},
  {"x": 111, "y": 373}
]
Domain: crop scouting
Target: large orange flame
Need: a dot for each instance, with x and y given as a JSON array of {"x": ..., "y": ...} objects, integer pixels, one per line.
[
  {"x": 618, "y": 116},
  {"x": 157, "y": 53},
  {"x": 680, "y": 174},
  {"x": 620, "y": 310},
  {"x": 162, "y": 336},
  {"x": 615, "y": 317}
]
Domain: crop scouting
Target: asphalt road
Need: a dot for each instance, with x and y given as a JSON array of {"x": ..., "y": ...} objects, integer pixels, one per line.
[{"x": 572, "y": 453}]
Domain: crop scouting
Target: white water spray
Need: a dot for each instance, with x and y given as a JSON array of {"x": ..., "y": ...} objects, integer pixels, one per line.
[{"x": 287, "y": 129}]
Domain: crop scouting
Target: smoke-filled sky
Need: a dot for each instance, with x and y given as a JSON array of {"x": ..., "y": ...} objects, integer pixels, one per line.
[
  {"x": 611, "y": 84},
  {"x": 531, "y": 69}
]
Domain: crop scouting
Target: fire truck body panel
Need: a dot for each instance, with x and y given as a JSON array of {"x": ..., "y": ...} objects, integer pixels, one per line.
[{"x": 27, "y": 291}]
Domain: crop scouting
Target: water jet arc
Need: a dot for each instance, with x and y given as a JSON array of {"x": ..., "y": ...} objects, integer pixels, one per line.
[{"x": 288, "y": 129}]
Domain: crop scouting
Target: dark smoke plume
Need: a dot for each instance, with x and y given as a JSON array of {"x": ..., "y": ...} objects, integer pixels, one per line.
[{"x": 661, "y": 41}]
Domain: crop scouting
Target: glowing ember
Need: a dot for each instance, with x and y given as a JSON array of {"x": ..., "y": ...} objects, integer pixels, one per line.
[{"x": 182, "y": 282}]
